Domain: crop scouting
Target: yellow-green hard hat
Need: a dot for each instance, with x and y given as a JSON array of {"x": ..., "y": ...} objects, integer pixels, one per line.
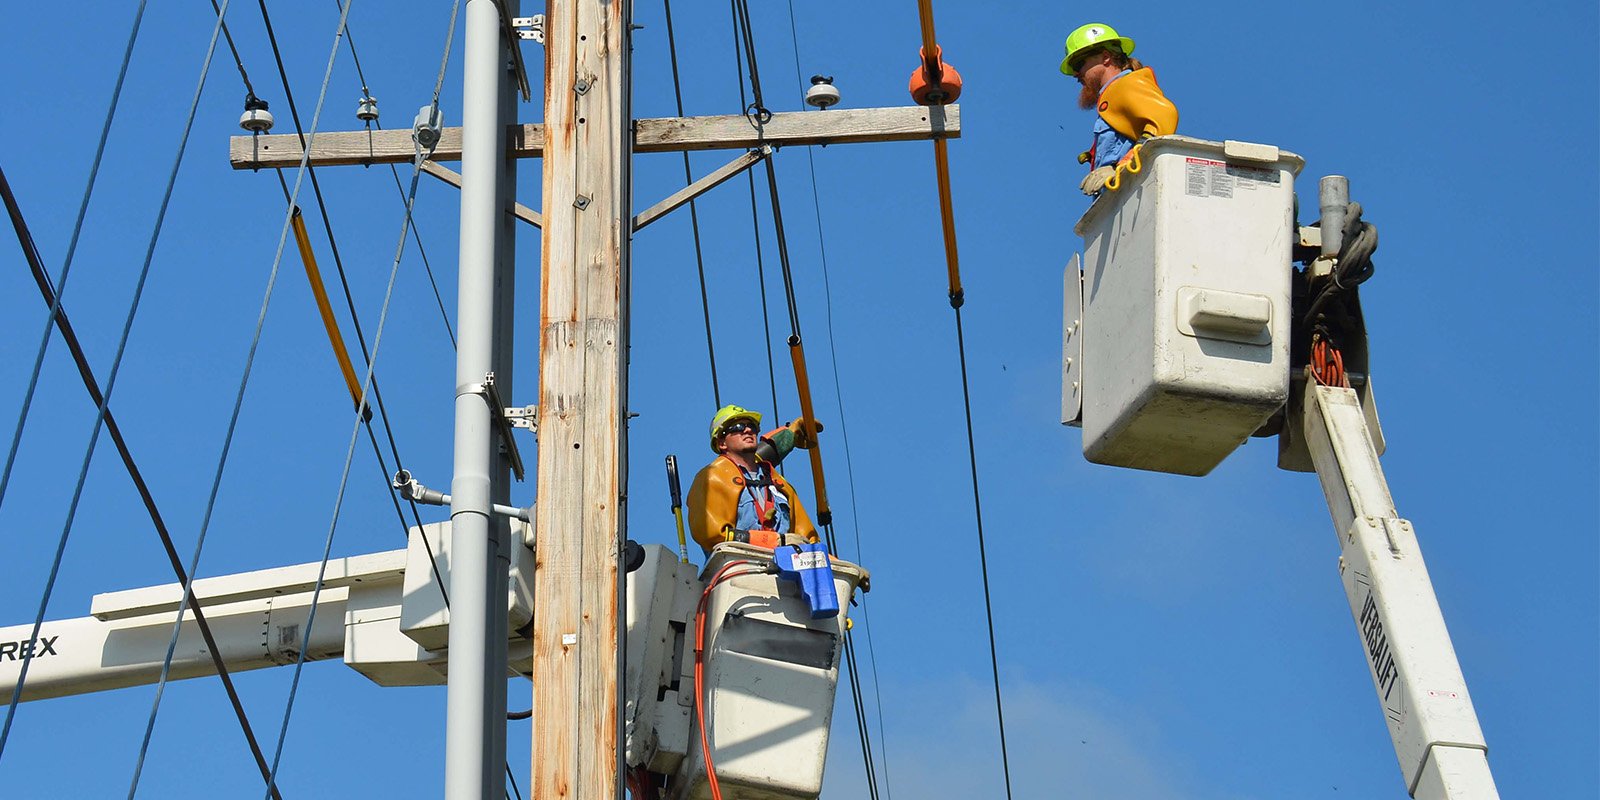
[
  {"x": 727, "y": 414},
  {"x": 1092, "y": 35}
]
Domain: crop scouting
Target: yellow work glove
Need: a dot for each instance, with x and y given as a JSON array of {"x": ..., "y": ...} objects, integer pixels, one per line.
[
  {"x": 803, "y": 438},
  {"x": 1096, "y": 180}
]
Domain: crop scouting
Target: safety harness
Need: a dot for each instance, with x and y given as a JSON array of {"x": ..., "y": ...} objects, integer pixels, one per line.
[{"x": 761, "y": 483}]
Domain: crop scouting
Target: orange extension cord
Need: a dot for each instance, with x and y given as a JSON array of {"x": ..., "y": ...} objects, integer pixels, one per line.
[
  {"x": 1327, "y": 363},
  {"x": 699, "y": 662}
]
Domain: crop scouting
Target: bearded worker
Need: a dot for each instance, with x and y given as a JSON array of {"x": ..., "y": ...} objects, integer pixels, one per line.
[
  {"x": 1130, "y": 106},
  {"x": 738, "y": 497}
]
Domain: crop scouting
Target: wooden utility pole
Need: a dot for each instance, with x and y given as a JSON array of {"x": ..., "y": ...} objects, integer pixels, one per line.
[
  {"x": 583, "y": 344},
  {"x": 587, "y": 142}
]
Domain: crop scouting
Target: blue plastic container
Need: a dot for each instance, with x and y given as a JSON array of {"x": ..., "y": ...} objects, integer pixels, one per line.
[{"x": 809, "y": 566}]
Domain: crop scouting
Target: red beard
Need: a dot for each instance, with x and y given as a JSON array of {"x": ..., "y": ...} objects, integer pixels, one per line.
[{"x": 1088, "y": 96}]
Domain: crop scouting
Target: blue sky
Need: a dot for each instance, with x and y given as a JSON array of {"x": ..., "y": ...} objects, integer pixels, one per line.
[{"x": 1159, "y": 636}]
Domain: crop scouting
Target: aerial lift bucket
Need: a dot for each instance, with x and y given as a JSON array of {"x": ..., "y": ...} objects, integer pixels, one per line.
[{"x": 1177, "y": 325}]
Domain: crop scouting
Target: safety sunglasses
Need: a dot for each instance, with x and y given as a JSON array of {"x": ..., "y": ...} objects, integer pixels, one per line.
[{"x": 738, "y": 426}]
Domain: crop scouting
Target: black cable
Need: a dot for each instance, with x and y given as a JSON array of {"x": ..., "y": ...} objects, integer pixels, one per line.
[
  {"x": 250, "y": 91},
  {"x": 863, "y": 730},
  {"x": 759, "y": 113},
  {"x": 30, "y": 251},
  {"x": 694, "y": 215},
  {"x": 757, "y": 110},
  {"x": 449, "y": 330},
  {"x": 755, "y": 230},
  {"x": 983, "y": 559},
  {"x": 1359, "y": 241},
  {"x": 355, "y": 319},
  {"x": 416, "y": 232},
  {"x": 838, "y": 393}
]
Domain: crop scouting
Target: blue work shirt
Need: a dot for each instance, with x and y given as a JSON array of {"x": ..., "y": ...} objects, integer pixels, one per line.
[
  {"x": 747, "y": 519},
  {"x": 1109, "y": 146}
]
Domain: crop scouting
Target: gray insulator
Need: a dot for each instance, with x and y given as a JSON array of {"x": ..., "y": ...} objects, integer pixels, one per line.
[
  {"x": 256, "y": 120},
  {"x": 822, "y": 92},
  {"x": 367, "y": 109}
]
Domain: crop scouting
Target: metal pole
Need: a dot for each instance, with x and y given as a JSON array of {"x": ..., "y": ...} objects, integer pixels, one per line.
[
  {"x": 504, "y": 328},
  {"x": 475, "y": 708},
  {"x": 1333, "y": 199}
]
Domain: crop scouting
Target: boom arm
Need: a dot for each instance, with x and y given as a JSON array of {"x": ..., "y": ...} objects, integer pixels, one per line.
[
  {"x": 1409, "y": 655},
  {"x": 383, "y": 613}
]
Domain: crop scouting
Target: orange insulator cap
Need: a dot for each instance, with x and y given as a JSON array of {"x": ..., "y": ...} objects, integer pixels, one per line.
[{"x": 924, "y": 92}]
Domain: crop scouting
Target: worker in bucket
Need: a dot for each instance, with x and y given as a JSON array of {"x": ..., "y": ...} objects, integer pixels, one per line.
[
  {"x": 1129, "y": 106},
  {"x": 738, "y": 497}
]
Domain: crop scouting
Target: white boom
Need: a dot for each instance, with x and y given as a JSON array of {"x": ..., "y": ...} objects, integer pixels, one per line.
[
  {"x": 771, "y": 665},
  {"x": 382, "y": 612},
  {"x": 1413, "y": 664}
]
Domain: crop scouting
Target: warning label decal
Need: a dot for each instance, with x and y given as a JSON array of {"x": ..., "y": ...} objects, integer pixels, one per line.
[{"x": 1205, "y": 178}]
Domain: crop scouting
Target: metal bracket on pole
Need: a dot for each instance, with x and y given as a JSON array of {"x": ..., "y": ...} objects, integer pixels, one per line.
[
  {"x": 412, "y": 489},
  {"x": 524, "y": 417},
  {"x": 529, "y": 27},
  {"x": 502, "y": 421}
]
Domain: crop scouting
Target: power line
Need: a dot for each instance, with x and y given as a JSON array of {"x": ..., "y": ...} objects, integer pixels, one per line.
[
  {"x": 694, "y": 214},
  {"x": 844, "y": 430},
  {"x": 91, "y": 385},
  {"x": 66, "y": 269},
  {"x": 116, "y": 368},
  {"x": 416, "y": 172},
  {"x": 416, "y": 232},
  {"x": 233, "y": 422},
  {"x": 755, "y": 231},
  {"x": 349, "y": 298},
  {"x": 759, "y": 113},
  {"x": 983, "y": 558}
]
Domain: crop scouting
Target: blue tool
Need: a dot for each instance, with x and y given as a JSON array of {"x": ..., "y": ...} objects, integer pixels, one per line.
[{"x": 809, "y": 566}]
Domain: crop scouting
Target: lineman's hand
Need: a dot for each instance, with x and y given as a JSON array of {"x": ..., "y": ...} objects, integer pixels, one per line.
[
  {"x": 803, "y": 438},
  {"x": 1096, "y": 180}
]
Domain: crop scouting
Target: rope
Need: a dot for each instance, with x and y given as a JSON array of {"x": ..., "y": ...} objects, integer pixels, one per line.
[
  {"x": 694, "y": 214},
  {"x": 66, "y": 268},
  {"x": 111, "y": 380},
  {"x": 92, "y": 386}
]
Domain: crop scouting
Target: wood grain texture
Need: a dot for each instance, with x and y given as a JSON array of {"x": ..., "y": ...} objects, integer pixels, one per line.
[
  {"x": 582, "y": 459},
  {"x": 727, "y": 132},
  {"x": 706, "y": 183},
  {"x": 453, "y": 178}
]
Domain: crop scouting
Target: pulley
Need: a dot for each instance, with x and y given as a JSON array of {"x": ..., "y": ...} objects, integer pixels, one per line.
[
  {"x": 367, "y": 108},
  {"x": 822, "y": 92},
  {"x": 256, "y": 118}
]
